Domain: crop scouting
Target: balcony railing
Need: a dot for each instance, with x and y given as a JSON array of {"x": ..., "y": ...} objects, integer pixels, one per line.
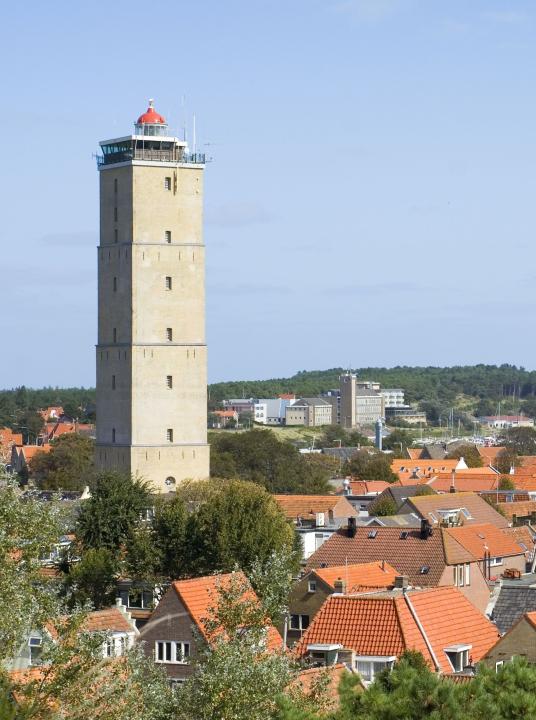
[{"x": 166, "y": 156}]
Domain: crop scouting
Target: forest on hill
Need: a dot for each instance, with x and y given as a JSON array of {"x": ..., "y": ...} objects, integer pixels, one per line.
[{"x": 469, "y": 388}]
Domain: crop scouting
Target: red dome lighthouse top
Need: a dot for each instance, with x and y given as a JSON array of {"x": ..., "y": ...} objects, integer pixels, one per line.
[{"x": 151, "y": 117}]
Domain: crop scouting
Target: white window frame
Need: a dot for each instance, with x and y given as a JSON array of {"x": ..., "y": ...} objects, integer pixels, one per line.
[
  {"x": 371, "y": 660},
  {"x": 300, "y": 621},
  {"x": 494, "y": 561},
  {"x": 178, "y": 649},
  {"x": 311, "y": 586},
  {"x": 467, "y": 574},
  {"x": 499, "y": 665}
]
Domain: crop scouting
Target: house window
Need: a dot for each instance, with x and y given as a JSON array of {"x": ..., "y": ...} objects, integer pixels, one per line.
[
  {"x": 311, "y": 586},
  {"x": 172, "y": 652},
  {"x": 116, "y": 235},
  {"x": 458, "y": 656},
  {"x": 113, "y": 435},
  {"x": 115, "y": 334},
  {"x": 495, "y": 561},
  {"x": 299, "y": 622},
  {"x": 369, "y": 667},
  {"x": 169, "y": 334},
  {"x": 167, "y": 183},
  {"x": 169, "y": 435},
  {"x": 169, "y": 381},
  {"x": 115, "y": 284},
  {"x": 140, "y": 599},
  {"x": 168, "y": 283},
  {"x": 167, "y": 235},
  {"x": 467, "y": 574},
  {"x": 113, "y": 382},
  {"x": 460, "y": 576},
  {"x": 36, "y": 648}
]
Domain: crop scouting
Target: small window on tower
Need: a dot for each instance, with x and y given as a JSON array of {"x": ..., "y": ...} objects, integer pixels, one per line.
[
  {"x": 113, "y": 435},
  {"x": 115, "y": 284},
  {"x": 169, "y": 283},
  {"x": 115, "y": 214},
  {"x": 113, "y": 382},
  {"x": 168, "y": 236},
  {"x": 169, "y": 435},
  {"x": 169, "y": 334},
  {"x": 167, "y": 183},
  {"x": 115, "y": 334},
  {"x": 169, "y": 381},
  {"x": 116, "y": 236}
]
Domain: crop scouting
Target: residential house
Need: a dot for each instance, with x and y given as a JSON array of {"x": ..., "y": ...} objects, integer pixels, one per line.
[
  {"x": 518, "y": 642},
  {"x": 224, "y": 417},
  {"x": 311, "y": 412},
  {"x": 172, "y": 634},
  {"x": 53, "y": 430},
  {"x": 240, "y": 405},
  {"x": 515, "y": 598},
  {"x": 398, "y": 494},
  {"x": 54, "y": 412},
  {"x": 490, "y": 453},
  {"x": 8, "y": 439},
  {"x": 316, "y": 517},
  {"x": 361, "y": 493},
  {"x": 428, "y": 557},
  {"x": 120, "y": 635},
  {"x": 496, "y": 550},
  {"x": 369, "y": 633},
  {"x": 525, "y": 537},
  {"x": 310, "y": 592},
  {"x": 452, "y": 509},
  {"x": 140, "y": 599},
  {"x": 519, "y": 512}
]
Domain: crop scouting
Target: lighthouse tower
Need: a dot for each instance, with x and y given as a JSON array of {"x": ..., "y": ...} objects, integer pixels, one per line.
[{"x": 151, "y": 351}]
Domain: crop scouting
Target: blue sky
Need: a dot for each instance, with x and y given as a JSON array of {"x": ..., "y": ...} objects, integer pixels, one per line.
[{"x": 371, "y": 199}]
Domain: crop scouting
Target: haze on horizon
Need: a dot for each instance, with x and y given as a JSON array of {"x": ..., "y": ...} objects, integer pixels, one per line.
[{"x": 371, "y": 198}]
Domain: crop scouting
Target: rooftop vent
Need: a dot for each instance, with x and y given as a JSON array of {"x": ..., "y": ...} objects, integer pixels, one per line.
[
  {"x": 425, "y": 569},
  {"x": 372, "y": 534},
  {"x": 404, "y": 534}
]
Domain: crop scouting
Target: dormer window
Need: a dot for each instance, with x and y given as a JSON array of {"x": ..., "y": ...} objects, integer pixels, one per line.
[
  {"x": 458, "y": 656},
  {"x": 369, "y": 667}
]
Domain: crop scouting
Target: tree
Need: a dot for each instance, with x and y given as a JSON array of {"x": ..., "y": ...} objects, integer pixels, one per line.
[
  {"x": 74, "y": 681},
  {"x": 258, "y": 456},
  {"x": 382, "y": 506},
  {"x": 93, "y": 579},
  {"x": 398, "y": 441},
  {"x": 235, "y": 677},
  {"x": 368, "y": 465},
  {"x": 506, "y": 483},
  {"x": 238, "y": 524},
  {"x": 30, "y": 423},
  {"x": 109, "y": 516},
  {"x": 68, "y": 465},
  {"x": 506, "y": 459},
  {"x": 469, "y": 453},
  {"x": 521, "y": 440}
]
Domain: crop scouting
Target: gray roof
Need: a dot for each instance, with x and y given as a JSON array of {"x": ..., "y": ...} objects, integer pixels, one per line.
[
  {"x": 367, "y": 392},
  {"x": 312, "y": 401},
  {"x": 344, "y": 453},
  {"x": 401, "y": 493},
  {"x": 434, "y": 452},
  {"x": 397, "y": 521},
  {"x": 513, "y": 602}
]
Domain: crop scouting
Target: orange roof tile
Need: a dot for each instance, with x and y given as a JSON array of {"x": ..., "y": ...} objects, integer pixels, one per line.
[
  {"x": 294, "y": 506},
  {"x": 199, "y": 595},
  {"x": 428, "y": 506},
  {"x": 377, "y": 574},
  {"x": 489, "y": 454},
  {"x": 520, "y": 509},
  {"x": 385, "y": 626},
  {"x": 414, "y": 453},
  {"x": 477, "y": 539},
  {"x": 108, "y": 620},
  {"x": 523, "y": 536},
  {"x": 30, "y": 451},
  {"x": 464, "y": 482},
  {"x": 307, "y": 679}
]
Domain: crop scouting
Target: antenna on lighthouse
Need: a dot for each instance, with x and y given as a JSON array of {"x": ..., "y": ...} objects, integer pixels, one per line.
[{"x": 193, "y": 134}]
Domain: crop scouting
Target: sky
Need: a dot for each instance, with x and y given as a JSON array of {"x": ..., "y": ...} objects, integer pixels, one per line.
[{"x": 371, "y": 195}]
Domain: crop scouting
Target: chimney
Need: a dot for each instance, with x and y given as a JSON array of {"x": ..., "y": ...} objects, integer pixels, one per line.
[
  {"x": 452, "y": 488},
  {"x": 352, "y": 527},
  {"x": 339, "y": 586},
  {"x": 425, "y": 529},
  {"x": 401, "y": 581}
]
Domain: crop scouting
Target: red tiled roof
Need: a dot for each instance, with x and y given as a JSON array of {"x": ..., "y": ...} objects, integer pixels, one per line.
[
  {"x": 463, "y": 482},
  {"x": 364, "y": 487},
  {"x": 377, "y": 574},
  {"x": 478, "y": 539},
  {"x": 480, "y": 511},
  {"x": 385, "y": 626},
  {"x": 307, "y": 679},
  {"x": 30, "y": 451},
  {"x": 111, "y": 619},
  {"x": 489, "y": 454},
  {"x": 520, "y": 509},
  {"x": 402, "y": 548},
  {"x": 307, "y": 506},
  {"x": 523, "y": 537},
  {"x": 200, "y": 594}
]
